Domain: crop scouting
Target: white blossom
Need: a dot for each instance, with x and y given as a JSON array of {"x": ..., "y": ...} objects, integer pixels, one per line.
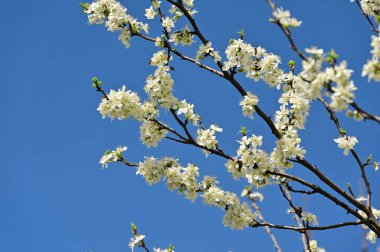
[
  {"x": 184, "y": 37},
  {"x": 150, "y": 13},
  {"x": 207, "y": 138},
  {"x": 151, "y": 133},
  {"x": 371, "y": 237},
  {"x": 314, "y": 247},
  {"x": 121, "y": 104},
  {"x": 187, "y": 110},
  {"x": 309, "y": 217},
  {"x": 135, "y": 241},
  {"x": 285, "y": 19},
  {"x": 238, "y": 216},
  {"x": 371, "y": 7},
  {"x": 347, "y": 143},
  {"x": 168, "y": 24},
  {"x": 254, "y": 61},
  {"x": 114, "y": 16},
  {"x": 159, "y": 86},
  {"x": 205, "y": 50},
  {"x": 248, "y": 104},
  {"x": 112, "y": 156}
]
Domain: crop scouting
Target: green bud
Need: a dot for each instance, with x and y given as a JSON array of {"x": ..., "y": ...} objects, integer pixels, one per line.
[
  {"x": 342, "y": 131},
  {"x": 378, "y": 19},
  {"x": 107, "y": 152},
  {"x": 243, "y": 130},
  {"x": 84, "y": 6},
  {"x": 133, "y": 227},
  {"x": 333, "y": 54},
  {"x": 171, "y": 248},
  {"x": 241, "y": 33},
  {"x": 368, "y": 159},
  {"x": 231, "y": 41},
  {"x": 291, "y": 65},
  {"x": 96, "y": 82}
]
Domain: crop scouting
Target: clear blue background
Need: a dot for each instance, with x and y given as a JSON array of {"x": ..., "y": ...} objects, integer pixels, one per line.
[{"x": 54, "y": 196}]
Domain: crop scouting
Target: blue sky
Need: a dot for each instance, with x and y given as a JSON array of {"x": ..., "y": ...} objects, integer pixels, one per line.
[{"x": 54, "y": 196}]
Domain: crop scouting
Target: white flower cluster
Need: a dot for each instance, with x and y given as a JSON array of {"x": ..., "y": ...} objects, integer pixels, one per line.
[
  {"x": 207, "y": 50},
  {"x": 151, "y": 133},
  {"x": 177, "y": 13},
  {"x": 295, "y": 104},
  {"x": 122, "y": 104},
  {"x": 238, "y": 215},
  {"x": 344, "y": 89},
  {"x": 251, "y": 162},
  {"x": 207, "y": 138},
  {"x": 115, "y": 18},
  {"x": 372, "y": 67},
  {"x": 371, "y": 7},
  {"x": 254, "y": 61},
  {"x": 248, "y": 104},
  {"x": 183, "y": 179},
  {"x": 159, "y": 86},
  {"x": 314, "y": 247},
  {"x": 112, "y": 156},
  {"x": 287, "y": 147},
  {"x": 184, "y": 37},
  {"x": 285, "y": 19},
  {"x": 347, "y": 143},
  {"x": 187, "y": 110},
  {"x": 370, "y": 236}
]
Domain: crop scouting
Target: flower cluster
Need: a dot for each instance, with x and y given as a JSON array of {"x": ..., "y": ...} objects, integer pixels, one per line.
[
  {"x": 115, "y": 18},
  {"x": 251, "y": 162},
  {"x": 121, "y": 104},
  {"x": 347, "y": 143},
  {"x": 285, "y": 19},
  {"x": 372, "y": 67},
  {"x": 370, "y": 236},
  {"x": 184, "y": 179},
  {"x": 287, "y": 147},
  {"x": 112, "y": 156},
  {"x": 207, "y": 50},
  {"x": 238, "y": 215},
  {"x": 344, "y": 88},
  {"x": 248, "y": 104},
  {"x": 152, "y": 133},
  {"x": 187, "y": 110},
  {"x": 371, "y": 7},
  {"x": 159, "y": 86},
  {"x": 207, "y": 138},
  {"x": 295, "y": 103},
  {"x": 317, "y": 79},
  {"x": 254, "y": 61},
  {"x": 184, "y": 37}
]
